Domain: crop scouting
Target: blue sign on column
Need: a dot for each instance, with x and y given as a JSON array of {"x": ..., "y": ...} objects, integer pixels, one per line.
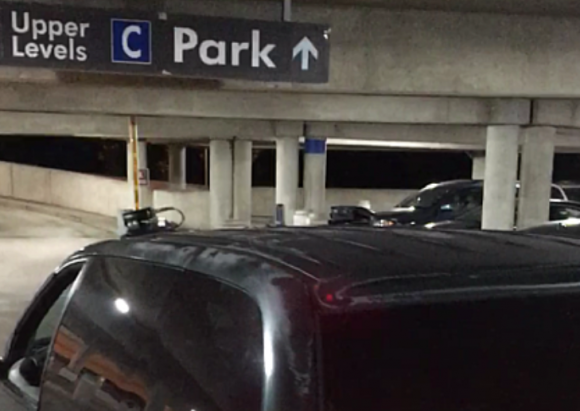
[
  {"x": 132, "y": 41},
  {"x": 314, "y": 146}
]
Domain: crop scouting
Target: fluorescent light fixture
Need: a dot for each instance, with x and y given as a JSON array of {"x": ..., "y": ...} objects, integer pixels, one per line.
[
  {"x": 122, "y": 306},
  {"x": 400, "y": 144}
]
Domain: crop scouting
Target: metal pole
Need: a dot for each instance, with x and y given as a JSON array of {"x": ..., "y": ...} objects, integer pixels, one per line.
[
  {"x": 134, "y": 144},
  {"x": 286, "y": 10},
  {"x": 206, "y": 166}
]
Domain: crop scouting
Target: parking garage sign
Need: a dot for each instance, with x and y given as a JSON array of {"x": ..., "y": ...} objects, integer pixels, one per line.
[{"x": 99, "y": 40}]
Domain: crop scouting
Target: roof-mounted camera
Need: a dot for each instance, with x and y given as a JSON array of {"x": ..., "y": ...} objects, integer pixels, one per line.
[{"x": 147, "y": 221}]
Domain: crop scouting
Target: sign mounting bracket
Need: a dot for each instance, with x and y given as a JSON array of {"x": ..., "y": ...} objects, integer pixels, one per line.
[{"x": 287, "y": 10}]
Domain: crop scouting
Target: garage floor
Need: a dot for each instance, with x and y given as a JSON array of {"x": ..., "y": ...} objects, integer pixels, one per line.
[{"x": 32, "y": 244}]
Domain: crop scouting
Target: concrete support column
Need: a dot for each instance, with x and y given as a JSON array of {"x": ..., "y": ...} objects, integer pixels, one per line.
[
  {"x": 315, "y": 177},
  {"x": 220, "y": 182},
  {"x": 287, "y": 150},
  {"x": 478, "y": 167},
  {"x": 536, "y": 176},
  {"x": 502, "y": 152},
  {"x": 177, "y": 166},
  {"x": 243, "y": 181},
  {"x": 145, "y": 192}
]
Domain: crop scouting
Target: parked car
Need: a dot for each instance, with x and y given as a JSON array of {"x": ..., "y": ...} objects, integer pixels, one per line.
[
  {"x": 471, "y": 219},
  {"x": 432, "y": 204},
  {"x": 564, "y": 228},
  {"x": 302, "y": 319}
]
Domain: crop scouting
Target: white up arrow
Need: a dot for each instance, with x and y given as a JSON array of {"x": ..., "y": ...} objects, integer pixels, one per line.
[{"x": 305, "y": 48}]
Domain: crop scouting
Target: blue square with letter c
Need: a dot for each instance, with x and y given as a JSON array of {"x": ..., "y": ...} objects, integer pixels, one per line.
[{"x": 131, "y": 41}]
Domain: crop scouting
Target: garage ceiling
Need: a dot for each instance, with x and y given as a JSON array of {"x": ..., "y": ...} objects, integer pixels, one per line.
[{"x": 540, "y": 7}]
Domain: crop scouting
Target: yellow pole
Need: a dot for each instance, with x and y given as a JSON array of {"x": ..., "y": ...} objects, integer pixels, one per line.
[{"x": 134, "y": 144}]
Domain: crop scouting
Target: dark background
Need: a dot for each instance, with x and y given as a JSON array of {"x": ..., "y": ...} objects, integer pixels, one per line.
[{"x": 346, "y": 169}]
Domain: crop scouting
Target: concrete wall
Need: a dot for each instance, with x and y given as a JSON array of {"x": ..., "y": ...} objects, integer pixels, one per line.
[
  {"x": 193, "y": 203},
  {"x": 105, "y": 196},
  {"x": 380, "y": 51},
  {"x": 77, "y": 191},
  {"x": 263, "y": 198}
]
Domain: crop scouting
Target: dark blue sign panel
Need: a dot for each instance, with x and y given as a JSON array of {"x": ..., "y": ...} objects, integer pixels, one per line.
[
  {"x": 314, "y": 146},
  {"x": 100, "y": 40},
  {"x": 131, "y": 41}
]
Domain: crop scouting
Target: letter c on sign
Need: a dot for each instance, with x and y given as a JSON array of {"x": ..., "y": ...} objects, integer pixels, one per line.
[{"x": 134, "y": 54}]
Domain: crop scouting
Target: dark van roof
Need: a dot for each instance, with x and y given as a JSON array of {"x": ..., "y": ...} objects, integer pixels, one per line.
[{"x": 354, "y": 256}]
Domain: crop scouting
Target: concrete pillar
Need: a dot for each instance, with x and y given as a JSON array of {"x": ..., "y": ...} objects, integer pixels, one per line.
[
  {"x": 287, "y": 150},
  {"x": 478, "y": 167},
  {"x": 536, "y": 176},
  {"x": 243, "y": 181},
  {"x": 145, "y": 192},
  {"x": 177, "y": 166},
  {"x": 220, "y": 182},
  {"x": 502, "y": 152},
  {"x": 77, "y": 362},
  {"x": 315, "y": 178}
]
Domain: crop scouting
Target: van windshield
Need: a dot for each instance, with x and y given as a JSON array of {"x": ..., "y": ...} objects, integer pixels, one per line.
[
  {"x": 427, "y": 197},
  {"x": 497, "y": 355}
]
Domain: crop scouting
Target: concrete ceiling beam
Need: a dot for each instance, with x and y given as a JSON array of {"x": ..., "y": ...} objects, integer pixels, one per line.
[
  {"x": 56, "y": 124},
  {"x": 560, "y": 113},
  {"x": 150, "y": 128},
  {"x": 471, "y": 135},
  {"x": 432, "y": 137},
  {"x": 144, "y": 101},
  {"x": 216, "y": 128},
  {"x": 200, "y": 130}
]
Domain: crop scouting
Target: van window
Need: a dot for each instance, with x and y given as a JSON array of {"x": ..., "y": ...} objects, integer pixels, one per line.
[
  {"x": 464, "y": 200},
  {"x": 138, "y": 336},
  {"x": 29, "y": 344},
  {"x": 519, "y": 354},
  {"x": 49, "y": 322},
  {"x": 426, "y": 197}
]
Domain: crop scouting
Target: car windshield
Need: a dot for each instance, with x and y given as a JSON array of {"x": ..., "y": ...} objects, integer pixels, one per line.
[
  {"x": 493, "y": 355},
  {"x": 573, "y": 193},
  {"x": 426, "y": 197}
]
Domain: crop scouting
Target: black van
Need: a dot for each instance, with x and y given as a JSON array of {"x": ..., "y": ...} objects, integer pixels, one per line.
[{"x": 337, "y": 319}]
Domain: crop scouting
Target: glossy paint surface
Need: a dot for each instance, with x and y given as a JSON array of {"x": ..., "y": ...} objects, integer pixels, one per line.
[
  {"x": 142, "y": 335},
  {"x": 184, "y": 322}
]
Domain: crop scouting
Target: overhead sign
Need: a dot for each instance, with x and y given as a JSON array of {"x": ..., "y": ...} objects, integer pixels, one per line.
[{"x": 101, "y": 40}]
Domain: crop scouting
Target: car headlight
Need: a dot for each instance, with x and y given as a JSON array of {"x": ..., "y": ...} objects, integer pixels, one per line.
[{"x": 384, "y": 223}]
